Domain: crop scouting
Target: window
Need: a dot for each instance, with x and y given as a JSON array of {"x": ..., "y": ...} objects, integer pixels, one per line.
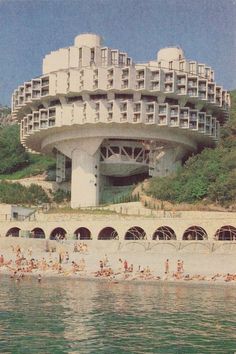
[
  {"x": 207, "y": 72},
  {"x": 191, "y": 68},
  {"x": 114, "y": 57},
  {"x": 92, "y": 55},
  {"x": 181, "y": 66},
  {"x": 121, "y": 59},
  {"x": 104, "y": 55},
  {"x": 80, "y": 53},
  {"x": 200, "y": 70},
  {"x": 170, "y": 65}
]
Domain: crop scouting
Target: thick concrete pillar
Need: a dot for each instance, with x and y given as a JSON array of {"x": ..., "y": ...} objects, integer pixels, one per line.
[
  {"x": 84, "y": 179},
  {"x": 85, "y": 156}
]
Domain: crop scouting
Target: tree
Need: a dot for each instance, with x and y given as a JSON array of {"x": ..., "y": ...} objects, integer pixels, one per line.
[{"x": 12, "y": 154}]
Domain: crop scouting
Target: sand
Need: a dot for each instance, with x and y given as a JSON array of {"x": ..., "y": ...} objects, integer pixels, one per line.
[{"x": 147, "y": 267}]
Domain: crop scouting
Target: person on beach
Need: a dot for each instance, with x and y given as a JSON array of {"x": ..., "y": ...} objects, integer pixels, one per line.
[
  {"x": 85, "y": 247},
  {"x": 105, "y": 261},
  {"x": 181, "y": 266},
  {"x": 67, "y": 257},
  {"x": 178, "y": 266},
  {"x": 167, "y": 266},
  {"x": 75, "y": 247},
  {"x": 39, "y": 278},
  {"x": 1, "y": 260},
  {"x": 125, "y": 265},
  {"x": 131, "y": 268}
]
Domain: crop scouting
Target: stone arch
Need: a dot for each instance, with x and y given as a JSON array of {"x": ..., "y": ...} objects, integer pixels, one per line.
[
  {"x": 195, "y": 233},
  {"x": 135, "y": 233},
  {"x": 108, "y": 233},
  {"x": 58, "y": 234},
  {"x": 14, "y": 232},
  {"x": 226, "y": 233},
  {"x": 37, "y": 232},
  {"x": 82, "y": 233},
  {"x": 164, "y": 233}
]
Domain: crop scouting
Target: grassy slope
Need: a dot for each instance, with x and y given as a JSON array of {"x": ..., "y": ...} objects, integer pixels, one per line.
[
  {"x": 16, "y": 163},
  {"x": 38, "y": 164}
]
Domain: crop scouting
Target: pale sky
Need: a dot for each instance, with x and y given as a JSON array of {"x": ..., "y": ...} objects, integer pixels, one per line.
[{"x": 205, "y": 29}]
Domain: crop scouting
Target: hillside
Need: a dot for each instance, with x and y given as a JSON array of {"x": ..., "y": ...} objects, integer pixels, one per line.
[
  {"x": 15, "y": 161},
  {"x": 209, "y": 176}
]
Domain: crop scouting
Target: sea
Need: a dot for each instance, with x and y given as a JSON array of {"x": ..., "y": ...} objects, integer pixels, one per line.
[{"x": 59, "y": 315}]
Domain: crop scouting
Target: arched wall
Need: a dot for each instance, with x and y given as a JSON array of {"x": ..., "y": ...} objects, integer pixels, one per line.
[{"x": 210, "y": 222}]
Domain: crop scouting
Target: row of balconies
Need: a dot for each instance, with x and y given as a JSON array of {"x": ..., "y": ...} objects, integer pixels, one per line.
[
  {"x": 62, "y": 83},
  {"x": 190, "y": 67},
  {"x": 120, "y": 112}
]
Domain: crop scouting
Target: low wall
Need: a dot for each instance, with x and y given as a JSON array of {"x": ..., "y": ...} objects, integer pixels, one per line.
[
  {"x": 210, "y": 222},
  {"x": 124, "y": 247}
]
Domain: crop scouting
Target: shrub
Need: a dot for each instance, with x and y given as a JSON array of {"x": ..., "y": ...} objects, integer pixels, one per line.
[
  {"x": 15, "y": 193},
  {"x": 60, "y": 196}
]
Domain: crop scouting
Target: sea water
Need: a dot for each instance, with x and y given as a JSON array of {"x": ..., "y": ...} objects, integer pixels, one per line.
[{"x": 75, "y": 316}]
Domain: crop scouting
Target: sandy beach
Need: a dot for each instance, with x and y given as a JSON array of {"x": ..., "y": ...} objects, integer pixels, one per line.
[{"x": 82, "y": 263}]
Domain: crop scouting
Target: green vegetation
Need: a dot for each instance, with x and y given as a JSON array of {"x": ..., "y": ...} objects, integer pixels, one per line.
[
  {"x": 61, "y": 196},
  {"x": 12, "y": 153},
  {"x": 209, "y": 176},
  {"x": 16, "y": 163},
  {"x": 118, "y": 194},
  {"x": 4, "y": 111},
  {"x": 90, "y": 211},
  {"x": 15, "y": 193}
]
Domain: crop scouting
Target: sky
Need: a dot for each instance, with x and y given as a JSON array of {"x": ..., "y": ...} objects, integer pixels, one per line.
[{"x": 205, "y": 29}]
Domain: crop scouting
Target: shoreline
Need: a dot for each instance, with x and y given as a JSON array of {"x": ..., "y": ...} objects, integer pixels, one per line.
[{"x": 113, "y": 280}]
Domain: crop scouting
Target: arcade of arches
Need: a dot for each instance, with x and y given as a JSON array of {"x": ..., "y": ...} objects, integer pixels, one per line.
[{"x": 163, "y": 233}]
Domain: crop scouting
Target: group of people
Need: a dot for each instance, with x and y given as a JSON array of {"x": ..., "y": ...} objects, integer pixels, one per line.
[
  {"x": 20, "y": 262},
  {"x": 80, "y": 247}
]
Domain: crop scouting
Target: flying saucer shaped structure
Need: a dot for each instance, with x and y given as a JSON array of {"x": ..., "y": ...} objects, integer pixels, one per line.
[{"x": 115, "y": 120}]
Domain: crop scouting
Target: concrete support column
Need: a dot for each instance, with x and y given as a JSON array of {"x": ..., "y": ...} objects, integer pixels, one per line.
[
  {"x": 84, "y": 179},
  {"x": 85, "y": 157}
]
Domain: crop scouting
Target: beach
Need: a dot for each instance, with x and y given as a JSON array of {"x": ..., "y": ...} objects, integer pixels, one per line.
[{"x": 80, "y": 260}]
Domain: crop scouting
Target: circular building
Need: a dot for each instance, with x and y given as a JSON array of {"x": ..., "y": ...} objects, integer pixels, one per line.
[{"x": 112, "y": 122}]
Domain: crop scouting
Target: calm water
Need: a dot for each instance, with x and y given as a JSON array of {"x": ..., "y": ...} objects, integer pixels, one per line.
[{"x": 72, "y": 316}]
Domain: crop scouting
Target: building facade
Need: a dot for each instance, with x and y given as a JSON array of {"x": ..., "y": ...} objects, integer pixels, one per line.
[{"x": 113, "y": 121}]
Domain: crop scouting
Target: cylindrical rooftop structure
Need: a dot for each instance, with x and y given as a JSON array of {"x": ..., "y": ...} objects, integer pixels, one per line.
[
  {"x": 88, "y": 40},
  {"x": 170, "y": 54}
]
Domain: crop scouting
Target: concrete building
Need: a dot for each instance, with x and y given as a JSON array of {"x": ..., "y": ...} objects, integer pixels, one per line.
[
  {"x": 15, "y": 212},
  {"x": 113, "y": 122}
]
